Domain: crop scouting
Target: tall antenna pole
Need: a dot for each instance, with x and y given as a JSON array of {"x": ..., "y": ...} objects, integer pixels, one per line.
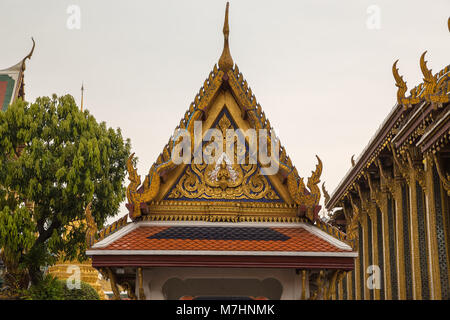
[{"x": 82, "y": 93}]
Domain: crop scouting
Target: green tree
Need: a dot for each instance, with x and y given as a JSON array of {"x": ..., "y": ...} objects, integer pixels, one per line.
[
  {"x": 54, "y": 160},
  {"x": 85, "y": 292}
]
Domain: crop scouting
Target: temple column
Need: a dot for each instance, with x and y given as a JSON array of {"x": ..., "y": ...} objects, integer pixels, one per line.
[
  {"x": 431, "y": 232},
  {"x": 419, "y": 243},
  {"x": 399, "y": 239},
  {"x": 304, "y": 275},
  {"x": 383, "y": 204},
  {"x": 358, "y": 271},
  {"x": 443, "y": 181},
  {"x": 375, "y": 260},
  {"x": 350, "y": 285},
  {"x": 365, "y": 241},
  {"x": 404, "y": 204},
  {"x": 414, "y": 241},
  {"x": 140, "y": 282}
]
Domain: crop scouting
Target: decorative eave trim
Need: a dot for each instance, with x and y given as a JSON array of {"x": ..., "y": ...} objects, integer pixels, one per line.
[
  {"x": 219, "y": 253},
  {"x": 438, "y": 134},
  {"x": 230, "y": 261},
  {"x": 117, "y": 225},
  {"x": 415, "y": 127}
]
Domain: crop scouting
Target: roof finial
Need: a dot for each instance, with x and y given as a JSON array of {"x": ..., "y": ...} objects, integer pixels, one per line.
[
  {"x": 82, "y": 93},
  {"x": 226, "y": 62},
  {"x": 32, "y": 50}
]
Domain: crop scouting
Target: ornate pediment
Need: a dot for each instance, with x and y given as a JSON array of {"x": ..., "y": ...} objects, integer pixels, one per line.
[
  {"x": 225, "y": 179},
  {"x": 234, "y": 183}
]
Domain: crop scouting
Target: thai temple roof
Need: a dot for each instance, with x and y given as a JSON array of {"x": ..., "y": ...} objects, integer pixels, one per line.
[
  {"x": 222, "y": 238},
  {"x": 224, "y": 207},
  {"x": 12, "y": 82}
]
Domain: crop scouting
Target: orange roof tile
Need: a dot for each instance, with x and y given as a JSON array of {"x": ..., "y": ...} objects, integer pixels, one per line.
[{"x": 287, "y": 239}]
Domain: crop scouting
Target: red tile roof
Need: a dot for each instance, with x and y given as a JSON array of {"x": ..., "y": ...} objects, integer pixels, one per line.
[{"x": 290, "y": 239}]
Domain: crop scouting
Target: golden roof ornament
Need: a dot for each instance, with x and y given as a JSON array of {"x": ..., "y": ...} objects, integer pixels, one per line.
[
  {"x": 226, "y": 62},
  {"x": 429, "y": 80},
  {"x": 399, "y": 83},
  {"x": 30, "y": 54}
]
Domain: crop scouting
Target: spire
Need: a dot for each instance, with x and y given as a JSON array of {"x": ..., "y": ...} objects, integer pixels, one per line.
[
  {"x": 226, "y": 62},
  {"x": 82, "y": 93}
]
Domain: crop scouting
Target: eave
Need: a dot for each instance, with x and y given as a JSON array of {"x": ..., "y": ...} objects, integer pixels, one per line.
[
  {"x": 439, "y": 131},
  {"x": 224, "y": 261}
]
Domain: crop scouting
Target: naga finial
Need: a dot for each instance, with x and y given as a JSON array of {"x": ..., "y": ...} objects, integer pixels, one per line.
[
  {"x": 423, "y": 67},
  {"x": 428, "y": 79},
  {"x": 325, "y": 193},
  {"x": 32, "y": 50},
  {"x": 226, "y": 62},
  {"x": 399, "y": 83}
]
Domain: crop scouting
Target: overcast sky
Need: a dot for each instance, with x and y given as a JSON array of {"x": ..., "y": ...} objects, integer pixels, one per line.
[{"x": 321, "y": 70}]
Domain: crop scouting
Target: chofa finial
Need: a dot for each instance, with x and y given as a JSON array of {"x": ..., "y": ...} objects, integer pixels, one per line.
[
  {"x": 28, "y": 56},
  {"x": 226, "y": 62},
  {"x": 399, "y": 83}
]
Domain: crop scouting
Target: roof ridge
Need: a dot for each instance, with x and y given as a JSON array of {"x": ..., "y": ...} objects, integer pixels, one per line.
[{"x": 111, "y": 228}]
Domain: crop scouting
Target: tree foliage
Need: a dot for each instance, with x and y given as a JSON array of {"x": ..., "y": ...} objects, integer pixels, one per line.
[
  {"x": 54, "y": 160},
  {"x": 51, "y": 288},
  {"x": 86, "y": 292}
]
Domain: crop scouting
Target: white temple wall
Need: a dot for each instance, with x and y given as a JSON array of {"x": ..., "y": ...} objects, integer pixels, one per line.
[{"x": 162, "y": 283}]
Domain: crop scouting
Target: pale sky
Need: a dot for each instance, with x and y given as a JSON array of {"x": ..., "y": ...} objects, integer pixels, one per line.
[{"x": 322, "y": 76}]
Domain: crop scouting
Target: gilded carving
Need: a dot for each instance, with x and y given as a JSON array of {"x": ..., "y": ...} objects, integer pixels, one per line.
[
  {"x": 400, "y": 84},
  {"x": 107, "y": 273},
  {"x": 140, "y": 283},
  {"x": 224, "y": 179},
  {"x": 444, "y": 177},
  {"x": 429, "y": 80},
  {"x": 164, "y": 163},
  {"x": 386, "y": 181},
  {"x": 320, "y": 282},
  {"x": 352, "y": 225},
  {"x": 129, "y": 289},
  {"x": 299, "y": 192},
  {"x": 375, "y": 193},
  {"x": 400, "y": 166},
  {"x": 416, "y": 167}
]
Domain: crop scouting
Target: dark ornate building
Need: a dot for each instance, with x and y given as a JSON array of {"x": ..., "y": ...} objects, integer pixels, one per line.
[{"x": 393, "y": 204}]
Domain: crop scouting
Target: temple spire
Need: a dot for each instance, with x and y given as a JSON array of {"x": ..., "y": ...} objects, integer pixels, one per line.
[
  {"x": 226, "y": 62},
  {"x": 82, "y": 93}
]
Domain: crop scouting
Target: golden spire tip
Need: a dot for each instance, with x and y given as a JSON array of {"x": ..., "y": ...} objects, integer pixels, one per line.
[{"x": 226, "y": 62}]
